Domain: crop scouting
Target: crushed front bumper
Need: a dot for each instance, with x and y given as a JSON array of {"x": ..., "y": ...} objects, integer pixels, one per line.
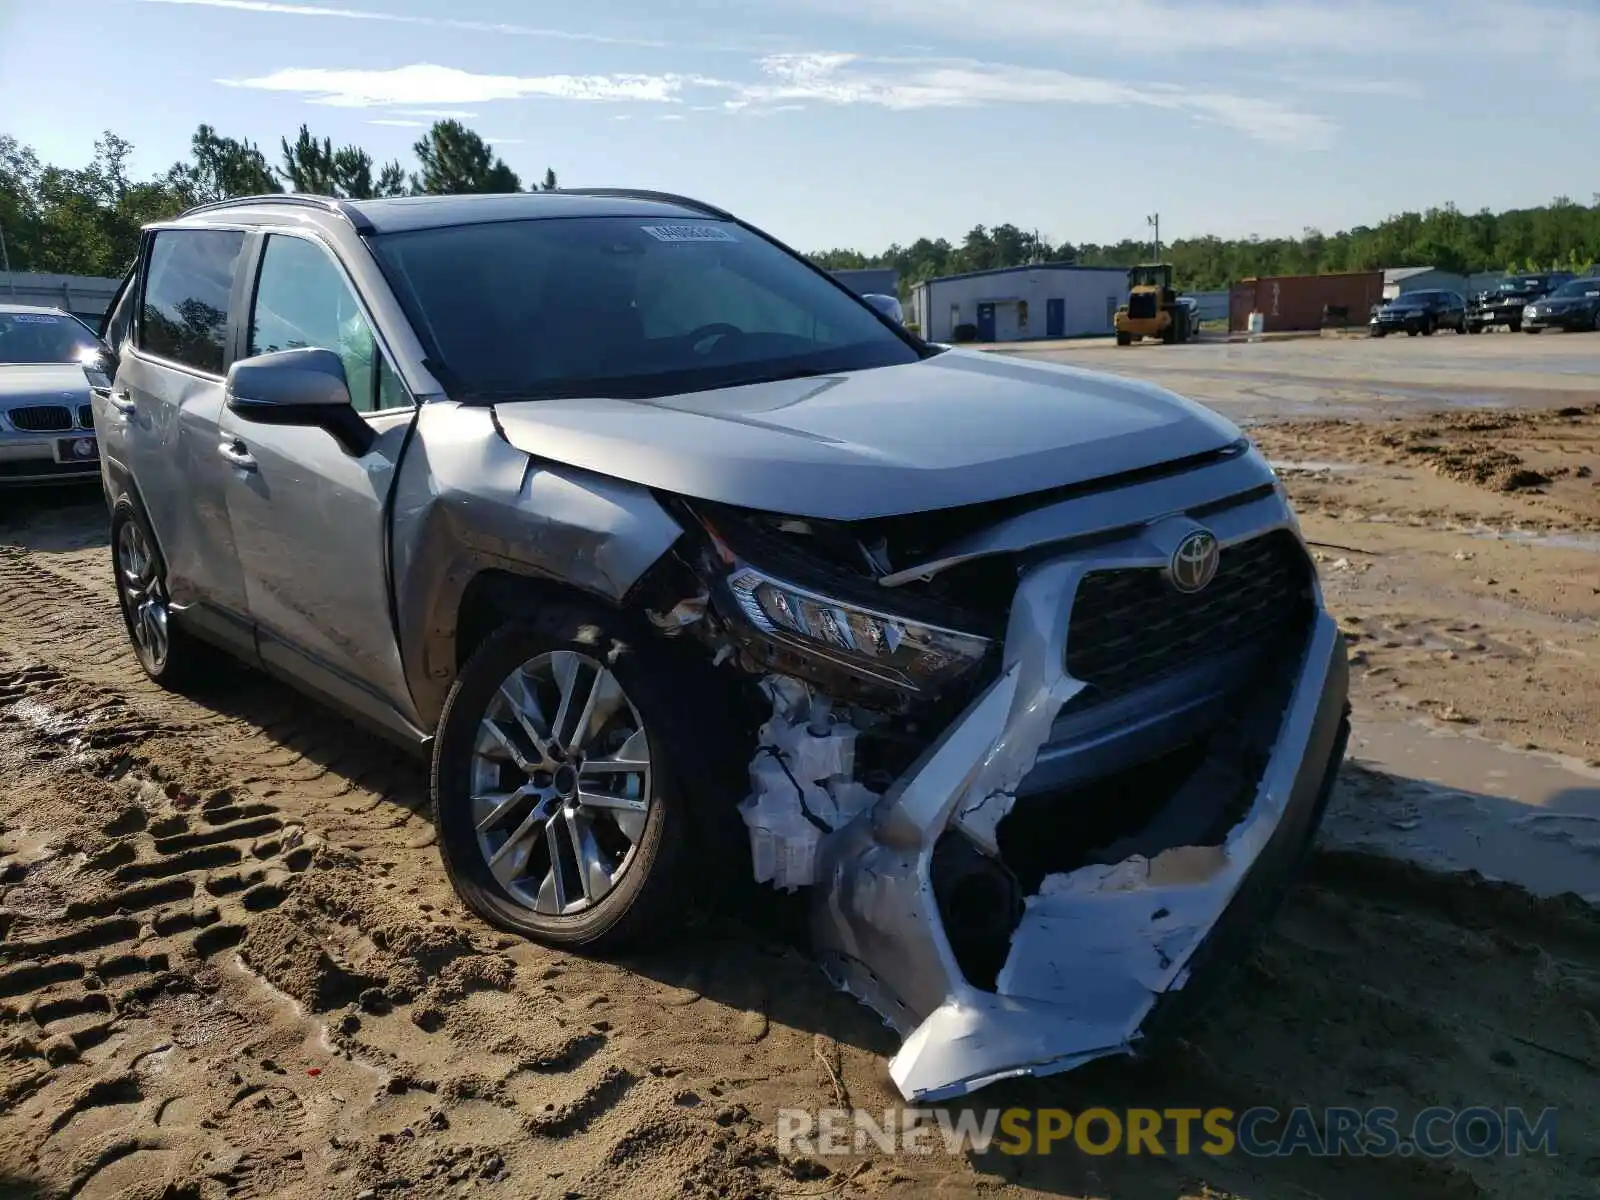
[{"x": 1103, "y": 956}]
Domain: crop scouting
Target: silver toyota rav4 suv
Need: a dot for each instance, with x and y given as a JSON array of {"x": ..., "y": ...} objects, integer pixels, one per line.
[{"x": 681, "y": 561}]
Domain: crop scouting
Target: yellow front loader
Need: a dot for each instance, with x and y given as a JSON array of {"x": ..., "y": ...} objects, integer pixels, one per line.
[{"x": 1154, "y": 309}]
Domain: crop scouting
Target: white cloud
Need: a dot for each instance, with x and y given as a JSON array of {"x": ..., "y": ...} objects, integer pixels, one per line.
[
  {"x": 364, "y": 14},
  {"x": 790, "y": 82},
  {"x": 952, "y": 83},
  {"x": 398, "y": 123},
  {"x": 427, "y": 83},
  {"x": 670, "y": 117}
]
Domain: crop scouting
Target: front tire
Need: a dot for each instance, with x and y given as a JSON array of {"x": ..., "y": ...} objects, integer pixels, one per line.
[
  {"x": 556, "y": 794},
  {"x": 168, "y": 655}
]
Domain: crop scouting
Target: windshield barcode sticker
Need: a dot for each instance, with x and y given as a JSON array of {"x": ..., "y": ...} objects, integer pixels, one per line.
[
  {"x": 703, "y": 231},
  {"x": 34, "y": 318}
]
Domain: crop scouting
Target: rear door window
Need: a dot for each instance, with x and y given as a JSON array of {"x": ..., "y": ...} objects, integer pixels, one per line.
[{"x": 184, "y": 316}]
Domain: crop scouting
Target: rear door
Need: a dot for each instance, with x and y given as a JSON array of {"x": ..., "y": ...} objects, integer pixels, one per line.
[
  {"x": 160, "y": 419},
  {"x": 311, "y": 519}
]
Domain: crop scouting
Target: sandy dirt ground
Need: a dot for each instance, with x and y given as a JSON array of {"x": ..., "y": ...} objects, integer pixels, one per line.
[{"x": 230, "y": 964}]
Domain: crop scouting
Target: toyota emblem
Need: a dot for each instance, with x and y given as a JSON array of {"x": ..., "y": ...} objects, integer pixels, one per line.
[{"x": 1194, "y": 562}]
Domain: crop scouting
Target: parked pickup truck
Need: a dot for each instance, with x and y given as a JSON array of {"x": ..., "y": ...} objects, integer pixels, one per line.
[{"x": 1504, "y": 304}]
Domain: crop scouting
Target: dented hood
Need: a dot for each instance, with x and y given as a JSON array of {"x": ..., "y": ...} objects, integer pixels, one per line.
[{"x": 960, "y": 428}]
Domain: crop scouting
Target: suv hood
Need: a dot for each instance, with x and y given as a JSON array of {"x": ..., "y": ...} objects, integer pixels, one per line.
[{"x": 962, "y": 427}]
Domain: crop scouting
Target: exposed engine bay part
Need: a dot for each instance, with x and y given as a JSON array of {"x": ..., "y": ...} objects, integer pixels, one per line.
[
  {"x": 802, "y": 784},
  {"x": 682, "y": 614}
]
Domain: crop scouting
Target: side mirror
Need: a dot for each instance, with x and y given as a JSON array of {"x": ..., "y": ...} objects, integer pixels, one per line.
[
  {"x": 298, "y": 387},
  {"x": 889, "y": 306}
]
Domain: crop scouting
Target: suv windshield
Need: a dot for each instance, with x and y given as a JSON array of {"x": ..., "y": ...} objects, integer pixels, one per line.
[
  {"x": 45, "y": 337},
  {"x": 1534, "y": 284},
  {"x": 632, "y": 307}
]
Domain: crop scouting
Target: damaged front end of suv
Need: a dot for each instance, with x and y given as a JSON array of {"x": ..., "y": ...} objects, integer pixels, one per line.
[{"x": 1041, "y": 761}]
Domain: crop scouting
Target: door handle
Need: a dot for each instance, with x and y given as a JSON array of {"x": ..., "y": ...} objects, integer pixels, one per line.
[
  {"x": 236, "y": 454},
  {"x": 122, "y": 402}
]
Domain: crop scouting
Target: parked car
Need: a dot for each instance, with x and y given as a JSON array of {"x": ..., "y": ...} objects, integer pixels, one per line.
[
  {"x": 1503, "y": 305},
  {"x": 680, "y": 561},
  {"x": 1420, "y": 312},
  {"x": 1574, "y": 305},
  {"x": 46, "y": 426}
]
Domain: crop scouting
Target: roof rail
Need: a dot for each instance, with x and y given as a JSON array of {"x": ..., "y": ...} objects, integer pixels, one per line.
[
  {"x": 326, "y": 203},
  {"x": 645, "y": 194}
]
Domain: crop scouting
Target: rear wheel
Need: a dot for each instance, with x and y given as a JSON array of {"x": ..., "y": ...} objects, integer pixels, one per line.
[
  {"x": 167, "y": 654},
  {"x": 1516, "y": 326},
  {"x": 1124, "y": 339},
  {"x": 555, "y": 787},
  {"x": 1595, "y": 324}
]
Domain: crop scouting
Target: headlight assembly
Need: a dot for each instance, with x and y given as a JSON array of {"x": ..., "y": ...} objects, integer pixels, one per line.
[{"x": 893, "y": 649}]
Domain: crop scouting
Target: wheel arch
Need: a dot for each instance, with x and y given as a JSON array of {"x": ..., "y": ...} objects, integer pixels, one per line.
[{"x": 122, "y": 492}]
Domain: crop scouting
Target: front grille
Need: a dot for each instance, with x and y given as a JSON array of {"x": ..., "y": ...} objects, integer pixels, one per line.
[
  {"x": 38, "y": 468},
  {"x": 41, "y": 418},
  {"x": 1142, "y": 306},
  {"x": 86, "y": 416},
  {"x": 1130, "y": 627}
]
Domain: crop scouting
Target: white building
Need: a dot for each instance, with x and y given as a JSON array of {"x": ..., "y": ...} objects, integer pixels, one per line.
[
  {"x": 1008, "y": 304},
  {"x": 1416, "y": 279}
]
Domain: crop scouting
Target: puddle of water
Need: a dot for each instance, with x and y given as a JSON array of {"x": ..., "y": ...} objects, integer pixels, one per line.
[
  {"x": 372, "y": 1078},
  {"x": 1450, "y": 801},
  {"x": 1589, "y": 542},
  {"x": 1313, "y": 466}
]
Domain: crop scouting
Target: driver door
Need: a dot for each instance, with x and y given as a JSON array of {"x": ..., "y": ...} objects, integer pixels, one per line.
[{"x": 309, "y": 518}]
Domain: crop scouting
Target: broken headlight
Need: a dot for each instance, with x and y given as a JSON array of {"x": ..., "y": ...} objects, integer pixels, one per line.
[{"x": 893, "y": 649}]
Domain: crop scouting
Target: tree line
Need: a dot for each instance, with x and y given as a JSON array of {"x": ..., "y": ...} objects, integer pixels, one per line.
[
  {"x": 85, "y": 220},
  {"x": 1560, "y": 235}
]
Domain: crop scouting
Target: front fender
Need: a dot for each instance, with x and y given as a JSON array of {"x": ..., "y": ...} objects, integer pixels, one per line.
[{"x": 467, "y": 501}]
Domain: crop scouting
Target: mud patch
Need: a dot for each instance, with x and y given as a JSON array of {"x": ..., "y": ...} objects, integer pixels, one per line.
[{"x": 297, "y": 964}]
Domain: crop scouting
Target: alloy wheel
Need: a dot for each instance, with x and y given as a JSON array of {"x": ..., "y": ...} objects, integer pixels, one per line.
[
  {"x": 560, "y": 783},
  {"x": 144, "y": 595}
]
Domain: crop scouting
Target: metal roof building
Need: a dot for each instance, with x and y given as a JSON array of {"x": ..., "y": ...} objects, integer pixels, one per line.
[
  {"x": 1418, "y": 279},
  {"x": 1009, "y": 304},
  {"x": 84, "y": 296},
  {"x": 866, "y": 281}
]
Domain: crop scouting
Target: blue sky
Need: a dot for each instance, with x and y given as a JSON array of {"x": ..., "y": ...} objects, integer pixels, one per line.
[{"x": 860, "y": 122}]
